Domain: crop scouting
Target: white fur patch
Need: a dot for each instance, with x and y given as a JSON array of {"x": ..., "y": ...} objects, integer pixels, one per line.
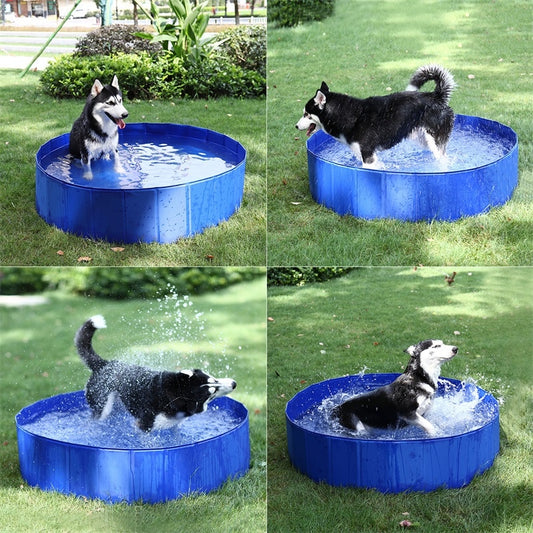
[
  {"x": 187, "y": 372},
  {"x": 108, "y": 407},
  {"x": 98, "y": 321},
  {"x": 164, "y": 422}
]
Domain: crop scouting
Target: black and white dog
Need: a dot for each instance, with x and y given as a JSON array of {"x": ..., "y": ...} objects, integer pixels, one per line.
[
  {"x": 157, "y": 400},
  {"x": 95, "y": 133},
  {"x": 380, "y": 122},
  {"x": 406, "y": 399}
]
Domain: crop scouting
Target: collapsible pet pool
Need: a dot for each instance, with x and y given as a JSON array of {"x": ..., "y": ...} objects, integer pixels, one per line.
[
  {"x": 480, "y": 172},
  {"x": 173, "y": 181},
  {"x": 405, "y": 459},
  {"x": 62, "y": 448}
]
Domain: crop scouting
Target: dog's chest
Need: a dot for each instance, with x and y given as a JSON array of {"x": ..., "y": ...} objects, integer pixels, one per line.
[
  {"x": 424, "y": 398},
  {"x": 102, "y": 145}
]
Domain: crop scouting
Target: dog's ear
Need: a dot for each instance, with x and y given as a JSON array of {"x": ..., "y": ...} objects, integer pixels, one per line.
[
  {"x": 324, "y": 87},
  {"x": 320, "y": 99},
  {"x": 97, "y": 87},
  {"x": 114, "y": 83},
  {"x": 411, "y": 350}
]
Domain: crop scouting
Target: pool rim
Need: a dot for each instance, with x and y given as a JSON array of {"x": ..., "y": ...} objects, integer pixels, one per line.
[
  {"x": 77, "y": 394},
  {"x": 239, "y": 150},
  {"x": 382, "y": 442},
  {"x": 322, "y": 136}
]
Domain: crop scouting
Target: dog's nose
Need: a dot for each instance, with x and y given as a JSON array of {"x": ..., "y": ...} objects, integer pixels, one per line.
[
  {"x": 125, "y": 114},
  {"x": 455, "y": 350},
  {"x": 233, "y": 384}
]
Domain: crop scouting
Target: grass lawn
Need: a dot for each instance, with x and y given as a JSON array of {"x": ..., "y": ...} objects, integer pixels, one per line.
[
  {"x": 364, "y": 321},
  {"x": 370, "y": 48},
  {"x": 39, "y": 360},
  {"x": 28, "y": 118}
]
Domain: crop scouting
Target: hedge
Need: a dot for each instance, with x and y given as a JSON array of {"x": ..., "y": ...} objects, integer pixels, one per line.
[
  {"x": 121, "y": 283},
  {"x": 293, "y": 12}
]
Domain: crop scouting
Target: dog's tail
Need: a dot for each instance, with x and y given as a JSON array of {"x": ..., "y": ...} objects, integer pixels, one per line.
[
  {"x": 444, "y": 82},
  {"x": 83, "y": 342}
]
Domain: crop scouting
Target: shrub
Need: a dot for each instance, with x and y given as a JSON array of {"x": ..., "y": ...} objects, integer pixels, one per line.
[
  {"x": 245, "y": 46},
  {"x": 120, "y": 283},
  {"x": 303, "y": 275},
  {"x": 115, "y": 39},
  {"x": 144, "y": 76},
  {"x": 21, "y": 281},
  {"x": 293, "y": 12},
  {"x": 70, "y": 76}
]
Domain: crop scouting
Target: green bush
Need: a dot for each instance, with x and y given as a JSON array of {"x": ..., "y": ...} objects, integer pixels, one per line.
[
  {"x": 143, "y": 76},
  {"x": 245, "y": 46},
  {"x": 71, "y": 76},
  {"x": 293, "y": 12},
  {"x": 21, "y": 281},
  {"x": 235, "y": 67},
  {"x": 121, "y": 283},
  {"x": 303, "y": 275},
  {"x": 115, "y": 39}
]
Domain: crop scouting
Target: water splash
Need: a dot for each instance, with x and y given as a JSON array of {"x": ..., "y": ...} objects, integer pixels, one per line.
[
  {"x": 468, "y": 148},
  {"x": 455, "y": 410},
  {"x": 119, "y": 430},
  {"x": 175, "y": 336}
]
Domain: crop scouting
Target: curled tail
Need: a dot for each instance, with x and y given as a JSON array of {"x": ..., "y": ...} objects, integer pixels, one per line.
[
  {"x": 83, "y": 342},
  {"x": 444, "y": 82}
]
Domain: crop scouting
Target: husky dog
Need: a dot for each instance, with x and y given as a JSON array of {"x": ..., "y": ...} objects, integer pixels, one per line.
[
  {"x": 406, "y": 399},
  {"x": 157, "y": 400},
  {"x": 95, "y": 133},
  {"x": 380, "y": 122}
]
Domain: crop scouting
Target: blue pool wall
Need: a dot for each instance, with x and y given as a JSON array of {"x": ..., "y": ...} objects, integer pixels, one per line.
[
  {"x": 160, "y": 214},
  {"x": 446, "y": 196},
  {"x": 131, "y": 475},
  {"x": 389, "y": 466}
]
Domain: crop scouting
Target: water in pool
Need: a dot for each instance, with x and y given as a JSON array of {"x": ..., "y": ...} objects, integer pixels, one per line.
[
  {"x": 143, "y": 165},
  {"x": 468, "y": 148},
  {"x": 77, "y": 426},
  {"x": 454, "y": 411}
]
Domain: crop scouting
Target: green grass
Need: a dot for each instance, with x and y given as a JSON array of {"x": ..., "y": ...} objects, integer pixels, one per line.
[
  {"x": 365, "y": 49},
  {"x": 29, "y": 118},
  {"x": 39, "y": 360},
  {"x": 364, "y": 321}
]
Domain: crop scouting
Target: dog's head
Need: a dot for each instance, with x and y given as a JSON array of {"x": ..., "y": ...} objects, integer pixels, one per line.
[
  {"x": 107, "y": 102},
  {"x": 429, "y": 355},
  {"x": 192, "y": 390},
  {"x": 310, "y": 120}
]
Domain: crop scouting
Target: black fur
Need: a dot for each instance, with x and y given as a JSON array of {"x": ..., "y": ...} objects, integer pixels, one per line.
[
  {"x": 145, "y": 393},
  {"x": 381, "y": 122},
  {"x": 90, "y": 128},
  {"x": 396, "y": 404}
]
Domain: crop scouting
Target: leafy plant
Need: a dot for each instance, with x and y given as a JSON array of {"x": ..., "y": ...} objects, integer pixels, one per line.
[
  {"x": 114, "y": 39},
  {"x": 182, "y": 34},
  {"x": 144, "y": 76},
  {"x": 245, "y": 46},
  {"x": 293, "y": 12}
]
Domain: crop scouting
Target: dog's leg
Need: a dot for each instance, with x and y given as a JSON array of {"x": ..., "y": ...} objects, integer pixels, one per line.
[
  {"x": 421, "y": 422},
  {"x": 117, "y": 163},
  {"x": 101, "y": 409},
  {"x": 86, "y": 164},
  {"x": 439, "y": 152},
  {"x": 368, "y": 157}
]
